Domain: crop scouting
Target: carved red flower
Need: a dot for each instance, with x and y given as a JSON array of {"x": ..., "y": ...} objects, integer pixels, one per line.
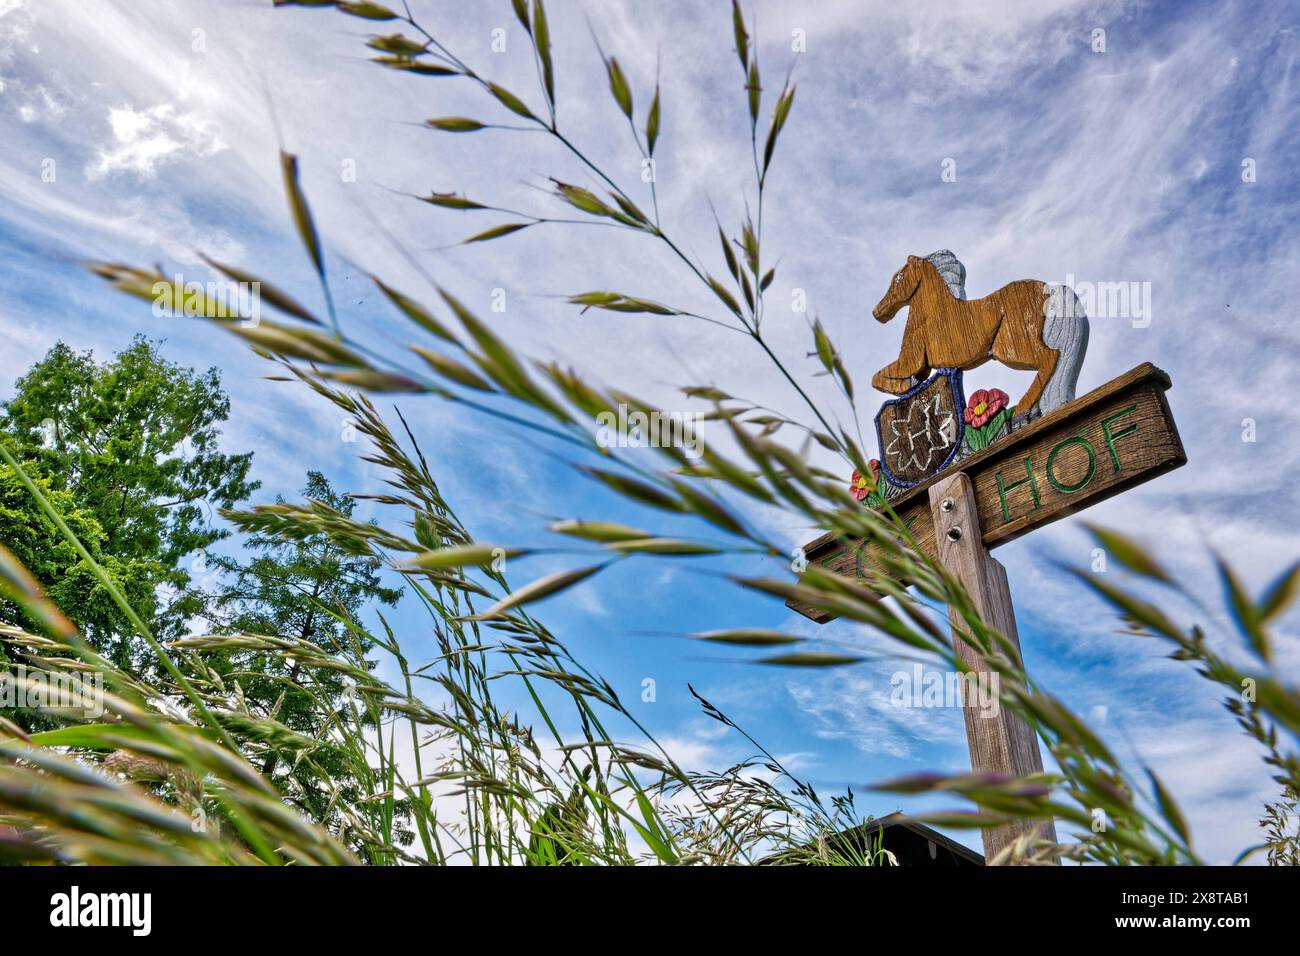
[
  {"x": 860, "y": 485},
  {"x": 983, "y": 405}
]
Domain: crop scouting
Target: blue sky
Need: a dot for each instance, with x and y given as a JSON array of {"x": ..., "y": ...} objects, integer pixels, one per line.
[{"x": 1117, "y": 165}]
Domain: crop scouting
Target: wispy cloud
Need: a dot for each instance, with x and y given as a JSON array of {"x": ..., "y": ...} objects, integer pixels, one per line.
[
  {"x": 857, "y": 707},
  {"x": 1117, "y": 165},
  {"x": 145, "y": 139}
]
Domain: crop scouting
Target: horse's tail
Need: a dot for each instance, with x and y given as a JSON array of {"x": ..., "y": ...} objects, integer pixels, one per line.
[{"x": 1065, "y": 329}]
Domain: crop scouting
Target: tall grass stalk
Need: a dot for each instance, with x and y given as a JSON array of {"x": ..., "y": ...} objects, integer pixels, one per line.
[{"x": 486, "y": 789}]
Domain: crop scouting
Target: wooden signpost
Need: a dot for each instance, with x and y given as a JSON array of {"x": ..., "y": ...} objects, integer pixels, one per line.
[{"x": 963, "y": 485}]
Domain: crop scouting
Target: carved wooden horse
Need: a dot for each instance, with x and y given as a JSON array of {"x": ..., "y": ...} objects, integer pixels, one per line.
[{"x": 1025, "y": 325}]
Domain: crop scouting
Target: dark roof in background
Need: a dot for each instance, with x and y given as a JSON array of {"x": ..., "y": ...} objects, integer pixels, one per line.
[{"x": 912, "y": 843}]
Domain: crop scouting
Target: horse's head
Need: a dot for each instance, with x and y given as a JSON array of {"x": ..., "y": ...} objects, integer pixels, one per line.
[{"x": 900, "y": 291}]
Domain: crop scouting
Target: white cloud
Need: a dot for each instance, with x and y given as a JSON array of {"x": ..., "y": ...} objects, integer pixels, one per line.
[
  {"x": 856, "y": 706},
  {"x": 145, "y": 139},
  {"x": 1218, "y": 779},
  {"x": 1068, "y": 162}
]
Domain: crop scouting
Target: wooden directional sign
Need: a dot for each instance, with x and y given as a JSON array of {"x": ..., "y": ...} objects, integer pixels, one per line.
[
  {"x": 964, "y": 486},
  {"x": 1089, "y": 449}
]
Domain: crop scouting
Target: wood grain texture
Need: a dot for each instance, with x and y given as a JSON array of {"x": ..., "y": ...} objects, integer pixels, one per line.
[
  {"x": 1001, "y": 742},
  {"x": 944, "y": 331},
  {"x": 1117, "y": 436},
  {"x": 921, "y": 432}
]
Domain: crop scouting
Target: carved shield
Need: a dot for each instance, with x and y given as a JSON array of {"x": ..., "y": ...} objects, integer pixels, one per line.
[{"x": 920, "y": 432}]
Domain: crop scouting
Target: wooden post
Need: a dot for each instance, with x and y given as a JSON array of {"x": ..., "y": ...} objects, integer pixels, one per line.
[{"x": 1002, "y": 743}]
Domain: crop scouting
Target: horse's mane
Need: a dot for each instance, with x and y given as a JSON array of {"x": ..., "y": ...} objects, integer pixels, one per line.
[{"x": 952, "y": 271}]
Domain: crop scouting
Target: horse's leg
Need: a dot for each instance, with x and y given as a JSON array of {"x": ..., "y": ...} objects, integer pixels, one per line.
[
  {"x": 1047, "y": 359},
  {"x": 1019, "y": 341},
  {"x": 896, "y": 377},
  {"x": 1065, "y": 329}
]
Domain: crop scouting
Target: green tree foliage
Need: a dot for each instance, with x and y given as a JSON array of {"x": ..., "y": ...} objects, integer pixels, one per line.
[
  {"x": 72, "y": 585},
  {"x": 131, "y": 445},
  {"x": 71, "y": 582},
  {"x": 305, "y": 589},
  {"x": 582, "y": 798}
]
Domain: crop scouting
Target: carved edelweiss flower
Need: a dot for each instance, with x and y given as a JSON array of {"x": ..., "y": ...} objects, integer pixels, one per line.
[
  {"x": 860, "y": 485},
  {"x": 984, "y": 404}
]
